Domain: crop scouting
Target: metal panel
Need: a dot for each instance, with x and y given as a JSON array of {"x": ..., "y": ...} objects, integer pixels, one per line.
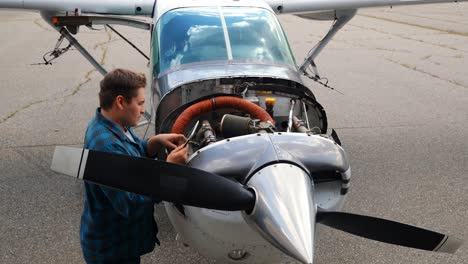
[
  {"x": 204, "y": 71},
  {"x": 315, "y": 153}
]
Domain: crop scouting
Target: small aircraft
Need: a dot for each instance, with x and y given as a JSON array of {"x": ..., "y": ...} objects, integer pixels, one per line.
[{"x": 263, "y": 168}]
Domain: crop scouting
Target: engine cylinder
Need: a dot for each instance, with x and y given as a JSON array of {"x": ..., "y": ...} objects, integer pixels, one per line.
[{"x": 234, "y": 126}]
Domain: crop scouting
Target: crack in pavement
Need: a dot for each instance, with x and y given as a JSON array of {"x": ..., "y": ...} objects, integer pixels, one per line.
[
  {"x": 75, "y": 91},
  {"x": 359, "y": 44},
  {"x": 12, "y": 114},
  {"x": 426, "y": 57},
  {"x": 450, "y": 32},
  {"x": 393, "y": 50},
  {"x": 432, "y": 18},
  {"x": 77, "y": 88},
  {"x": 104, "y": 54},
  {"x": 409, "y": 38},
  {"x": 414, "y": 68},
  {"x": 102, "y": 61},
  {"x": 103, "y": 46},
  {"x": 87, "y": 78},
  {"x": 41, "y": 145}
]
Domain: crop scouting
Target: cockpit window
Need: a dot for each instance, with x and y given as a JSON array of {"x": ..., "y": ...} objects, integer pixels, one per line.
[
  {"x": 189, "y": 35},
  {"x": 255, "y": 35}
]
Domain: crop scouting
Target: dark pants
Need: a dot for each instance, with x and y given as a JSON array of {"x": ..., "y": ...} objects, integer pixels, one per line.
[{"x": 120, "y": 261}]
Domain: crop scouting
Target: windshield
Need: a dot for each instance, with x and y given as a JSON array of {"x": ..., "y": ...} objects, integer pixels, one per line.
[
  {"x": 255, "y": 35},
  {"x": 190, "y": 35}
]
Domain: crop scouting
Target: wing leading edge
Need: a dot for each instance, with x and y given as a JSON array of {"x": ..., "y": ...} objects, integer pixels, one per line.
[
  {"x": 111, "y": 7},
  {"x": 307, "y": 6},
  {"x": 145, "y": 7}
]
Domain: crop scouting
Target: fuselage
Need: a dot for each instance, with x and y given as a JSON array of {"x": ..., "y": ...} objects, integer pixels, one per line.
[{"x": 202, "y": 53}]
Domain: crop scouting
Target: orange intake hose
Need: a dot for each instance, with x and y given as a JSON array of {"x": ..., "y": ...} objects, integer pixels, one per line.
[{"x": 219, "y": 102}]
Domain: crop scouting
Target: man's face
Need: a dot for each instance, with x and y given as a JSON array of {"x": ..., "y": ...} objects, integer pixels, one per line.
[{"x": 133, "y": 110}]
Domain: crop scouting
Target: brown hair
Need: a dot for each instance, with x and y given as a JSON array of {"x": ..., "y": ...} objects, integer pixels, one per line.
[{"x": 119, "y": 82}]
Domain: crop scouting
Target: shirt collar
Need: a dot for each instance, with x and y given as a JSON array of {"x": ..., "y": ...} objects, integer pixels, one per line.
[{"x": 111, "y": 125}]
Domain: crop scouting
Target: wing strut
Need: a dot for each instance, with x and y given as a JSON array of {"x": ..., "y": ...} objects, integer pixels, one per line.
[
  {"x": 129, "y": 42},
  {"x": 64, "y": 32},
  {"x": 341, "y": 18},
  {"x": 68, "y": 25},
  {"x": 73, "y": 41}
]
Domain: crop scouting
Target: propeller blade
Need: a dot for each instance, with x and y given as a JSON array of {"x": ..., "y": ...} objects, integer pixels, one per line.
[
  {"x": 389, "y": 231},
  {"x": 158, "y": 179}
]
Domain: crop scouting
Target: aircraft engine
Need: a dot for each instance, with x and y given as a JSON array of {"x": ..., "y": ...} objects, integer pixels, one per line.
[{"x": 276, "y": 147}]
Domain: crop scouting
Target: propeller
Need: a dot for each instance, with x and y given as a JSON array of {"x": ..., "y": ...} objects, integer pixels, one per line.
[
  {"x": 389, "y": 231},
  {"x": 158, "y": 179},
  {"x": 194, "y": 187}
]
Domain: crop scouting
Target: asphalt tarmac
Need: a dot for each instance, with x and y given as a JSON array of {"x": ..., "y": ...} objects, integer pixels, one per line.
[{"x": 400, "y": 106}]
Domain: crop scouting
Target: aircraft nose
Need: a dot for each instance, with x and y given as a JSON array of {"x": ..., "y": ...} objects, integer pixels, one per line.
[{"x": 284, "y": 212}]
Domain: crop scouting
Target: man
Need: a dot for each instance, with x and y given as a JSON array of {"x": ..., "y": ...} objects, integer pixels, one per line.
[{"x": 118, "y": 226}]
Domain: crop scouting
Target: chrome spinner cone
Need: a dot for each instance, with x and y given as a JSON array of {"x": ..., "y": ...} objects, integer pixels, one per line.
[{"x": 284, "y": 212}]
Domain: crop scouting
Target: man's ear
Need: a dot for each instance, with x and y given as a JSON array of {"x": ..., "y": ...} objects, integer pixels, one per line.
[{"x": 119, "y": 102}]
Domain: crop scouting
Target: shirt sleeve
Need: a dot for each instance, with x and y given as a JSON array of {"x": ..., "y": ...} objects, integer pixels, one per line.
[
  {"x": 144, "y": 145},
  {"x": 127, "y": 204}
]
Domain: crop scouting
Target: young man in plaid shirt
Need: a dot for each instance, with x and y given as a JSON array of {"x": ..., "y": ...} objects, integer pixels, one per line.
[{"x": 118, "y": 226}]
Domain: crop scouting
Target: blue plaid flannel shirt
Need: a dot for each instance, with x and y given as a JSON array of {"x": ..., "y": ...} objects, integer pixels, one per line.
[{"x": 115, "y": 224}]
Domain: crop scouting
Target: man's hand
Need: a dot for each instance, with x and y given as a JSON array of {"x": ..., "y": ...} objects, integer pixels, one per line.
[
  {"x": 168, "y": 141},
  {"x": 178, "y": 155}
]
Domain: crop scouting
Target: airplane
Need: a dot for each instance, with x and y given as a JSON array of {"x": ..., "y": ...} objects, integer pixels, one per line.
[{"x": 263, "y": 168}]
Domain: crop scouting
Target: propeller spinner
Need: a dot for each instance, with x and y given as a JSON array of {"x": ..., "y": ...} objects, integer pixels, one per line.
[{"x": 284, "y": 212}]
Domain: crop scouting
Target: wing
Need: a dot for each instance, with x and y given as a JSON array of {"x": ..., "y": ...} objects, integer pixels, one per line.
[
  {"x": 342, "y": 11},
  {"x": 145, "y": 7},
  {"x": 111, "y": 7},
  {"x": 309, "y": 6}
]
